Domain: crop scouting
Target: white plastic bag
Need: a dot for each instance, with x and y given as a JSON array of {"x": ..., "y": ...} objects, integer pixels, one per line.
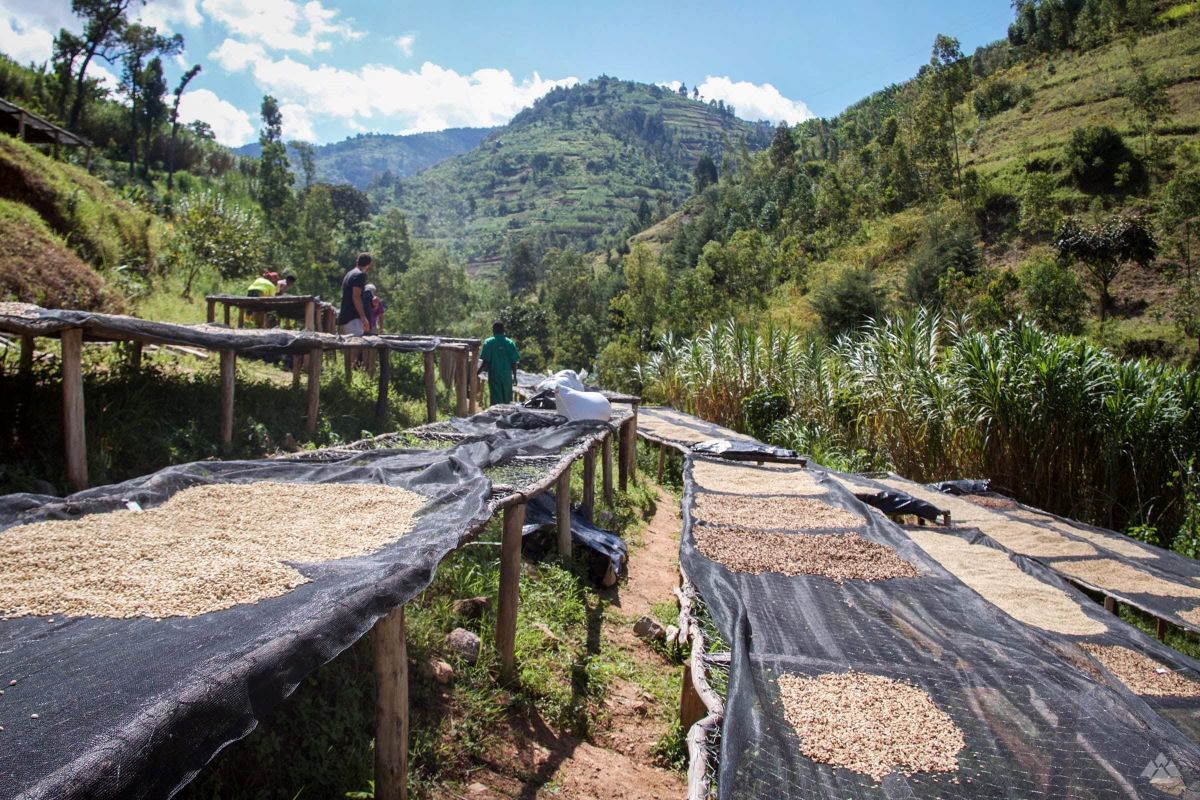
[
  {"x": 582, "y": 405},
  {"x": 564, "y": 377}
]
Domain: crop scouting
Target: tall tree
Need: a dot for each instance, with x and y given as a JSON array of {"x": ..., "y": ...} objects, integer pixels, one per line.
[
  {"x": 520, "y": 268},
  {"x": 154, "y": 107},
  {"x": 139, "y": 80},
  {"x": 179, "y": 89},
  {"x": 308, "y": 161},
  {"x": 274, "y": 176},
  {"x": 705, "y": 174},
  {"x": 390, "y": 241},
  {"x": 950, "y": 79},
  {"x": 104, "y": 23}
]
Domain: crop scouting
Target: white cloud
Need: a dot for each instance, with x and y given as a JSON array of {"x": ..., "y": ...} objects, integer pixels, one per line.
[
  {"x": 24, "y": 42},
  {"x": 754, "y": 101},
  {"x": 230, "y": 124},
  {"x": 427, "y": 99},
  {"x": 297, "y": 124},
  {"x": 169, "y": 15},
  {"x": 287, "y": 25},
  {"x": 405, "y": 43}
]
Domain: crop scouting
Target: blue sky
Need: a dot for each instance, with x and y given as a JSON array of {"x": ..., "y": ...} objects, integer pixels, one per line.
[{"x": 341, "y": 67}]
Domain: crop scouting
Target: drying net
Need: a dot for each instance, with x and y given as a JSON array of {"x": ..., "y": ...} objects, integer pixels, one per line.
[
  {"x": 1156, "y": 581},
  {"x": 29, "y": 320},
  {"x": 1037, "y": 716},
  {"x": 132, "y": 708}
]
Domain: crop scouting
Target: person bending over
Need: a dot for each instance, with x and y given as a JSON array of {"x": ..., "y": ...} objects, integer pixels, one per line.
[{"x": 499, "y": 356}]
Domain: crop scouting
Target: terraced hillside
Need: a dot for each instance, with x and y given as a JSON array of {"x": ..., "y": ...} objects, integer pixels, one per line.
[
  {"x": 577, "y": 168},
  {"x": 363, "y": 159}
]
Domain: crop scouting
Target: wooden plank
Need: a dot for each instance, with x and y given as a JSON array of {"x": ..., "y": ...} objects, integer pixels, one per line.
[
  {"x": 391, "y": 706},
  {"x": 606, "y": 467},
  {"x": 460, "y": 384},
  {"x": 473, "y": 378},
  {"x": 562, "y": 512},
  {"x": 588, "y": 507},
  {"x": 228, "y": 375},
  {"x": 26, "y": 363},
  {"x": 314, "y": 392},
  {"x": 510, "y": 577},
  {"x": 210, "y": 310},
  {"x": 385, "y": 379},
  {"x": 691, "y": 707},
  {"x": 73, "y": 409},
  {"x": 430, "y": 388}
]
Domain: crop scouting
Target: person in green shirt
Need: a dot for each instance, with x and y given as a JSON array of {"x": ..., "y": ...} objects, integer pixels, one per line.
[{"x": 499, "y": 356}]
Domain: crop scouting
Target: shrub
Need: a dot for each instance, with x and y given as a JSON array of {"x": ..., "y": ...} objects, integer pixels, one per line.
[
  {"x": 947, "y": 243},
  {"x": 1100, "y": 162},
  {"x": 1039, "y": 211},
  {"x": 997, "y": 95},
  {"x": 849, "y": 301},
  {"x": 762, "y": 409},
  {"x": 1053, "y": 295}
]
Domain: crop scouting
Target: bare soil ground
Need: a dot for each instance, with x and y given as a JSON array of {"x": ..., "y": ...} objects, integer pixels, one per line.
[{"x": 536, "y": 761}]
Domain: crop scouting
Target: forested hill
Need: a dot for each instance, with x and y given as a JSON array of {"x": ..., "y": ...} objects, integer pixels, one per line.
[
  {"x": 369, "y": 157},
  {"x": 578, "y": 168}
]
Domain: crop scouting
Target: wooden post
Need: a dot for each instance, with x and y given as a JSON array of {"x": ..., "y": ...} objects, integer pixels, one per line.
[
  {"x": 391, "y": 706},
  {"x": 691, "y": 707},
  {"x": 297, "y": 367},
  {"x": 460, "y": 384},
  {"x": 606, "y": 466},
  {"x": 588, "y": 507},
  {"x": 211, "y": 310},
  {"x": 473, "y": 378},
  {"x": 1160, "y": 629},
  {"x": 228, "y": 374},
  {"x": 349, "y": 363},
  {"x": 227, "y": 310},
  {"x": 430, "y": 388},
  {"x": 510, "y": 576},
  {"x": 662, "y": 462},
  {"x": 135, "y": 355},
  {"x": 1110, "y": 604},
  {"x": 26, "y": 363},
  {"x": 631, "y": 443},
  {"x": 73, "y": 409},
  {"x": 562, "y": 512},
  {"x": 623, "y": 456},
  {"x": 310, "y": 315},
  {"x": 241, "y": 317},
  {"x": 314, "y": 392},
  {"x": 385, "y": 378}
]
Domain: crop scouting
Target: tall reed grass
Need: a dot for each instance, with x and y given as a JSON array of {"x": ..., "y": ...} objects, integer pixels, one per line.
[{"x": 1056, "y": 421}]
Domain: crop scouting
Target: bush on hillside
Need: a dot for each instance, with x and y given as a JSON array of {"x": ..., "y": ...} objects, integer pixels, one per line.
[
  {"x": 763, "y": 409},
  {"x": 997, "y": 95},
  {"x": 1053, "y": 295},
  {"x": 1100, "y": 162},
  {"x": 947, "y": 243},
  {"x": 849, "y": 301}
]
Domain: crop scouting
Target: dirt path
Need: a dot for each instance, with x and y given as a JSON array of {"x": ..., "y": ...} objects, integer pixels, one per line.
[{"x": 536, "y": 762}]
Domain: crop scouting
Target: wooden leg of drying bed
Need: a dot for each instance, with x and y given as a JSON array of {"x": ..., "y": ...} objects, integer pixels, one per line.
[
  {"x": 1160, "y": 629},
  {"x": 606, "y": 467},
  {"x": 385, "y": 378},
  {"x": 510, "y": 577},
  {"x": 588, "y": 508},
  {"x": 472, "y": 380},
  {"x": 314, "y": 391},
  {"x": 691, "y": 707},
  {"x": 135, "y": 355},
  {"x": 430, "y": 388},
  {"x": 26, "y": 363},
  {"x": 562, "y": 512},
  {"x": 391, "y": 707},
  {"x": 622, "y": 458},
  {"x": 210, "y": 311},
  {"x": 228, "y": 374},
  {"x": 460, "y": 386},
  {"x": 73, "y": 409},
  {"x": 662, "y": 462},
  {"x": 1110, "y": 604}
]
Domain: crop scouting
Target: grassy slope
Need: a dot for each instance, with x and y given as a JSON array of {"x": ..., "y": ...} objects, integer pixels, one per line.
[
  {"x": 1084, "y": 89},
  {"x": 597, "y": 175}
]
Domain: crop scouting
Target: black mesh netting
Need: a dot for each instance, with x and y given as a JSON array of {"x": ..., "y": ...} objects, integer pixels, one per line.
[
  {"x": 1036, "y": 721},
  {"x": 34, "y": 321},
  {"x": 132, "y": 708},
  {"x": 1173, "y": 579}
]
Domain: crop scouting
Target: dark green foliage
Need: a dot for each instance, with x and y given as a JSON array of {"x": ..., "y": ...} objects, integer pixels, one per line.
[
  {"x": 705, "y": 173},
  {"x": 997, "y": 95},
  {"x": 762, "y": 409},
  {"x": 947, "y": 243},
  {"x": 528, "y": 324},
  {"x": 849, "y": 301},
  {"x": 520, "y": 268},
  {"x": 1053, "y": 296},
  {"x": 274, "y": 176},
  {"x": 783, "y": 146},
  {"x": 1100, "y": 162},
  {"x": 1105, "y": 248}
]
